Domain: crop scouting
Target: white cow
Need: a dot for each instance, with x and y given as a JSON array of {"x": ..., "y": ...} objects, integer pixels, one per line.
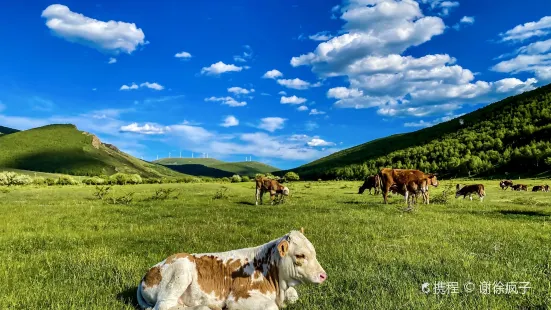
[{"x": 258, "y": 278}]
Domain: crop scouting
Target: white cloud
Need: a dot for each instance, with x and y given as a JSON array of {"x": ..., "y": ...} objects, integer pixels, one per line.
[
  {"x": 321, "y": 36},
  {"x": 292, "y": 100},
  {"x": 146, "y": 129},
  {"x": 239, "y": 58},
  {"x": 423, "y": 123},
  {"x": 282, "y": 93},
  {"x": 302, "y": 108},
  {"x": 528, "y": 30},
  {"x": 227, "y": 101},
  {"x": 219, "y": 68},
  {"x": 112, "y": 60},
  {"x": 465, "y": 20},
  {"x": 134, "y": 86},
  {"x": 319, "y": 142},
  {"x": 272, "y": 124},
  {"x": 316, "y": 112},
  {"x": 368, "y": 53},
  {"x": 230, "y": 121},
  {"x": 240, "y": 91},
  {"x": 112, "y": 36},
  {"x": 445, "y": 7},
  {"x": 272, "y": 74},
  {"x": 297, "y": 83},
  {"x": 184, "y": 55}
]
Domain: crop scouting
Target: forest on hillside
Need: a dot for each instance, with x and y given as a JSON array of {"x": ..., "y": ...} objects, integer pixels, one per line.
[{"x": 513, "y": 136}]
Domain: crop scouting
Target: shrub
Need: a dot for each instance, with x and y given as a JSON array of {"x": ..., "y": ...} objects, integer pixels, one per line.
[
  {"x": 119, "y": 179},
  {"x": 134, "y": 179},
  {"x": 245, "y": 179},
  {"x": 66, "y": 180},
  {"x": 94, "y": 181},
  {"x": 6, "y": 178},
  {"x": 221, "y": 193},
  {"x": 225, "y": 179},
  {"x": 50, "y": 181},
  {"x": 122, "y": 200},
  {"x": 291, "y": 176},
  {"x": 22, "y": 179},
  {"x": 163, "y": 194},
  {"x": 39, "y": 181},
  {"x": 259, "y": 175},
  {"x": 235, "y": 178},
  {"x": 101, "y": 191}
]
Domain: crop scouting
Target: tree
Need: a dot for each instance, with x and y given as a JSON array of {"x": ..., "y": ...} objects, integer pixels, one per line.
[{"x": 291, "y": 176}]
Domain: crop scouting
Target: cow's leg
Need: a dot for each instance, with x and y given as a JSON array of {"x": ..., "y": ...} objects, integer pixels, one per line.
[
  {"x": 272, "y": 197},
  {"x": 385, "y": 193},
  {"x": 291, "y": 295},
  {"x": 170, "y": 294},
  {"x": 471, "y": 197},
  {"x": 257, "y": 196}
]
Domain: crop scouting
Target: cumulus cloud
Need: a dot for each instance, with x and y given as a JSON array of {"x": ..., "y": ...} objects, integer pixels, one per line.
[
  {"x": 465, "y": 20},
  {"x": 112, "y": 60},
  {"x": 321, "y": 36},
  {"x": 183, "y": 55},
  {"x": 444, "y": 6},
  {"x": 146, "y": 129},
  {"x": 272, "y": 124},
  {"x": 227, "y": 101},
  {"x": 297, "y": 83},
  {"x": 282, "y": 93},
  {"x": 368, "y": 53},
  {"x": 219, "y": 68},
  {"x": 302, "y": 108},
  {"x": 316, "y": 112},
  {"x": 111, "y": 36},
  {"x": 240, "y": 91},
  {"x": 292, "y": 100},
  {"x": 539, "y": 28},
  {"x": 230, "y": 121},
  {"x": 133, "y": 86},
  {"x": 319, "y": 142},
  {"x": 272, "y": 74}
]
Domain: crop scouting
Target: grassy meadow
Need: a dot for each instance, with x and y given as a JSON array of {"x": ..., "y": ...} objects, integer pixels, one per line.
[{"x": 61, "y": 248}]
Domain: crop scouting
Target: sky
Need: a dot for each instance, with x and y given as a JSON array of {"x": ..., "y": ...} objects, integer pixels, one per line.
[{"x": 282, "y": 82}]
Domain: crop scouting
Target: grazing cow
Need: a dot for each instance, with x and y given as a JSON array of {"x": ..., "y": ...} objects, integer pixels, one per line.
[
  {"x": 504, "y": 184},
  {"x": 470, "y": 190},
  {"x": 410, "y": 191},
  {"x": 538, "y": 188},
  {"x": 401, "y": 177},
  {"x": 372, "y": 181},
  {"x": 275, "y": 189},
  {"x": 546, "y": 188},
  {"x": 257, "y": 278},
  {"x": 519, "y": 187}
]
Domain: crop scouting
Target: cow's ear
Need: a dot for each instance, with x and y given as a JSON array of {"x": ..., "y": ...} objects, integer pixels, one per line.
[{"x": 283, "y": 248}]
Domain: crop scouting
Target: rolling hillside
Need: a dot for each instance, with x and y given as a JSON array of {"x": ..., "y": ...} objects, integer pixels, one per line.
[
  {"x": 64, "y": 149},
  {"x": 210, "y": 167},
  {"x": 6, "y": 130},
  {"x": 512, "y": 135}
]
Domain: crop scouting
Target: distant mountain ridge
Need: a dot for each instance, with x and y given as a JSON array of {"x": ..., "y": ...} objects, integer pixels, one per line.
[
  {"x": 7, "y": 131},
  {"x": 210, "y": 167}
]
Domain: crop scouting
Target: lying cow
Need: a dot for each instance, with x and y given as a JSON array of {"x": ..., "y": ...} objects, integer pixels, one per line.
[
  {"x": 256, "y": 278},
  {"x": 470, "y": 190},
  {"x": 275, "y": 189},
  {"x": 505, "y": 184},
  {"x": 372, "y": 181},
  {"x": 401, "y": 177},
  {"x": 519, "y": 187}
]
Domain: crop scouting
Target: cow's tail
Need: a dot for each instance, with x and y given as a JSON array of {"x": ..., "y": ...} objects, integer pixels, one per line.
[
  {"x": 380, "y": 174},
  {"x": 141, "y": 300}
]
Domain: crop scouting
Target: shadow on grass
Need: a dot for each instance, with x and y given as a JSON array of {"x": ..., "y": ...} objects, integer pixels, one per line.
[
  {"x": 128, "y": 297},
  {"x": 247, "y": 203},
  {"x": 523, "y": 212}
]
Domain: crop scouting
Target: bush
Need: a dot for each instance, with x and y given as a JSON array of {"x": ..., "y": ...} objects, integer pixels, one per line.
[
  {"x": 50, "y": 181},
  {"x": 22, "y": 179},
  {"x": 225, "y": 179},
  {"x": 134, "y": 179},
  {"x": 245, "y": 179},
  {"x": 221, "y": 193},
  {"x": 66, "y": 180},
  {"x": 6, "y": 178},
  {"x": 119, "y": 179},
  {"x": 94, "y": 181},
  {"x": 291, "y": 176},
  {"x": 235, "y": 178},
  {"x": 39, "y": 181}
]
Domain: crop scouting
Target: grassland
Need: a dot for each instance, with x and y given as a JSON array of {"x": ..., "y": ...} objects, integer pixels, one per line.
[
  {"x": 61, "y": 249},
  {"x": 210, "y": 167},
  {"x": 64, "y": 149}
]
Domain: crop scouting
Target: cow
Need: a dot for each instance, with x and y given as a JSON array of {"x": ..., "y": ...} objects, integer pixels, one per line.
[
  {"x": 504, "y": 184},
  {"x": 401, "y": 177},
  {"x": 255, "y": 278},
  {"x": 546, "y": 188},
  {"x": 519, "y": 187},
  {"x": 538, "y": 188},
  {"x": 410, "y": 191},
  {"x": 372, "y": 181},
  {"x": 275, "y": 189},
  {"x": 470, "y": 190}
]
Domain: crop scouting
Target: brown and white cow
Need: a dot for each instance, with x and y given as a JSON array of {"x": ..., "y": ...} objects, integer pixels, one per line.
[
  {"x": 257, "y": 278},
  {"x": 519, "y": 187},
  {"x": 470, "y": 190},
  {"x": 538, "y": 188},
  {"x": 401, "y": 177},
  {"x": 410, "y": 191},
  {"x": 504, "y": 184},
  {"x": 372, "y": 181},
  {"x": 275, "y": 189},
  {"x": 546, "y": 188}
]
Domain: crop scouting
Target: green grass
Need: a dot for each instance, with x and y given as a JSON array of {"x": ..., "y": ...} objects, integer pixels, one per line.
[
  {"x": 210, "y": 167},
  {"x": 64, "y": 149},
  {"x": 61, "y": 249}
]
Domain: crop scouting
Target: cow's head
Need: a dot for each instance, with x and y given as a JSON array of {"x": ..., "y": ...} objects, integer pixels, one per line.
[
  {"x": 361, "y": 190},
  {"x": 432, "y": 180},
  {"x": 298, "y": 262}
]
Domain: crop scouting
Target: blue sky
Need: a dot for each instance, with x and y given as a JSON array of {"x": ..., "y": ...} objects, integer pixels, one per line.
[{"x": 285, "y": 82}]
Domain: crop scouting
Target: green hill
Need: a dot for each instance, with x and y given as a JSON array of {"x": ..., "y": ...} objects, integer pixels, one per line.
[
  {"x": 6, "y": 130},
  {"x": 64, "y": 149},
  {"x": 210, "y": 167},
  {"x": 512, "y": 135}
]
